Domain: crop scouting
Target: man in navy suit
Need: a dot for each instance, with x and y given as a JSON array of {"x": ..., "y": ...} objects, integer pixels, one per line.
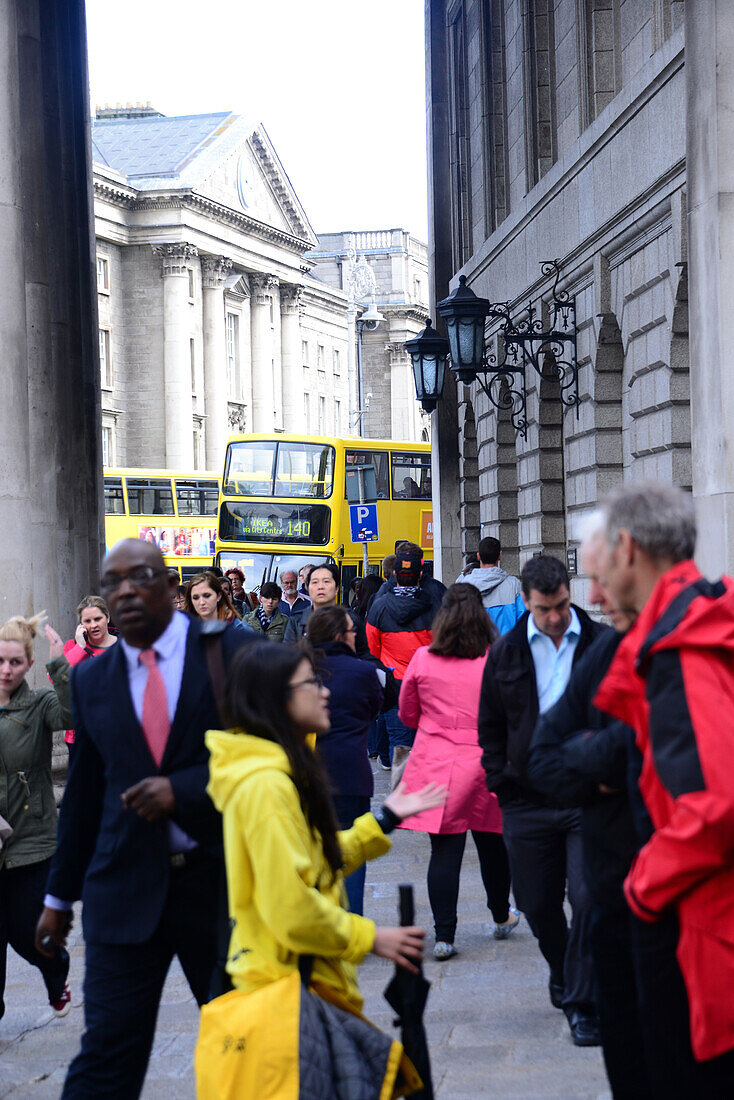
[{"x": 139, "y": 839}]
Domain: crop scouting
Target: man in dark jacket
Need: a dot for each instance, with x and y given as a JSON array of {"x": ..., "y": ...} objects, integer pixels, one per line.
[
  {"x": 527, "y": 671},
  {"x": 398, "y": 623},
  {"x": 139, "y": 838},
  {"x": 579, "y": 758}
]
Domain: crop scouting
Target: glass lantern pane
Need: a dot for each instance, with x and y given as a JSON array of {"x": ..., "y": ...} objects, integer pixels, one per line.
[
  {"x": 452, "y": 327},
  {"x": 429, "y": 374},
  {"x": 468, "y": 342},
  {"x": 479, "y": 342}
]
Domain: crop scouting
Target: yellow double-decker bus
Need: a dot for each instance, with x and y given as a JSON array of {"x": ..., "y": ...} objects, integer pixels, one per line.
[
  {"x": 176, "y": 511},
  {"x": 284, "y": 503}
]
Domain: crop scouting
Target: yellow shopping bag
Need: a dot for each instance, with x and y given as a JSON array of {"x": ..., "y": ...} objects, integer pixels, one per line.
[{"x": 248, "y": 1044}]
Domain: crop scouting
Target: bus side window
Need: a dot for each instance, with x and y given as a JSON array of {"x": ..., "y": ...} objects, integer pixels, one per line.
[
  {"x": 411, "y": 476},
  {"x": 149, "y": 496},
  {"x": 197, "y": 498},
  {"x": 114, "y": 501},
  {"x": 379, "y": 460}
]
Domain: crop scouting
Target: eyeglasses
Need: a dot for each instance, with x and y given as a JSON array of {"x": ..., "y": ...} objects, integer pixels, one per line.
[
  {"x": 142, "y": 577},
  {"x": 316, "y": 681}
]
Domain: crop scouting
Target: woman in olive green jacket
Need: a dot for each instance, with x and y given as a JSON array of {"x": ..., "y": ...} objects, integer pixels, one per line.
[{"x": 28, "y": 719}]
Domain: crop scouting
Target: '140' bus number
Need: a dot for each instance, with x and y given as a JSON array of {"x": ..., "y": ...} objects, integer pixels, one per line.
[{"x": 300, "y": 529}]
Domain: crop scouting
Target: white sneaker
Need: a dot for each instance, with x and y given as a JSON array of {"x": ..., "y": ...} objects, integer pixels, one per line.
[
  {"x": 502, "y": 931},
  {"x": 443, "y": 951}
]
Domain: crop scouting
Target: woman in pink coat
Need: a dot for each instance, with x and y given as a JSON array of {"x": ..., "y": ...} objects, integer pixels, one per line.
[{"x": 439, "y": 697}]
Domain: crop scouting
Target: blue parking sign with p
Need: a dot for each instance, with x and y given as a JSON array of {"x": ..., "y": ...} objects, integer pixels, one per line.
[{"x": 363, "y": 522}]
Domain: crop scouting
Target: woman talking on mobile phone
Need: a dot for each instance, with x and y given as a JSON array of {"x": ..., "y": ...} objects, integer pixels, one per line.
[{"x": 91, "y": 639}]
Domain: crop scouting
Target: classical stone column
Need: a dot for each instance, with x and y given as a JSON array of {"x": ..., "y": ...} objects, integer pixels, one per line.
[
  {"x": 214, "y": 270},
  {"x": 263, "y": 382},
  {"x": 290, "y": 343},
  {"x": 51, "y": 513},
  {"x": 710, "y": 185},
  {"x": 176, "y": 355}
]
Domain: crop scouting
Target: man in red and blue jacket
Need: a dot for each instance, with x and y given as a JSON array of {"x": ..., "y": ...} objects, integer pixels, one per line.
[
  {"x": 398, "y": 623},
  {"x": 672, "y": 680}
]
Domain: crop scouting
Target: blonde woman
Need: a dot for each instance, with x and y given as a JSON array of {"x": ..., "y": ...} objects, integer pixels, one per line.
[
  {"x": 27, "y": 721},
  {"x": 91, "y": 639}
]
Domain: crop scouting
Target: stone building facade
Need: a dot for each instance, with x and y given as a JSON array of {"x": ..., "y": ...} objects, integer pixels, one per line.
[
  {"x": 393, "y": 266},
  {"x": 206, "y": 301},
  {"x": 573, "y": 130}
]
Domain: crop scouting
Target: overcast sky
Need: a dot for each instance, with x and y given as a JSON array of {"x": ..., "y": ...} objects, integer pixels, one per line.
[{"x": 338, "y": 84}]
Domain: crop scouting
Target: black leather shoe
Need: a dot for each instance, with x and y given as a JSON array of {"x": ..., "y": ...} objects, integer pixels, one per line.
[
  {"x": 584, "y": 1029},
  {"x": 557, "y": 993}
]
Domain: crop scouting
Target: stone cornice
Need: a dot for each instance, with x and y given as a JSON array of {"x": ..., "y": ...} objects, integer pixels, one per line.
[
  {"x": 135, "y": 201},
  {"x": 405, "y": 312}
]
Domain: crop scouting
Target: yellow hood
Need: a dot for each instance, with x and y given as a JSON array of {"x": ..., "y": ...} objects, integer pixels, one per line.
[{"x": 234, "y": 757}]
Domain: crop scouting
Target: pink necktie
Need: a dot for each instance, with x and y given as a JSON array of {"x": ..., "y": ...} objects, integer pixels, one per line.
[{"x": 156, "y": 723}]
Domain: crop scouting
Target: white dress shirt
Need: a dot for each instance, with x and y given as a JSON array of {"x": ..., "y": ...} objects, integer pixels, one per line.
[{"x": 552, "y": 665}]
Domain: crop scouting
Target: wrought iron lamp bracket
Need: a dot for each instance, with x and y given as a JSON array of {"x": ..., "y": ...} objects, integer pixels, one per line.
[{"x": 550, "y": 352}]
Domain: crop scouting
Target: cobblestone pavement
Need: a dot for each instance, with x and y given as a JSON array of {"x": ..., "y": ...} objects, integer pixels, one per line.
[{"x": 491, "y": 1028}]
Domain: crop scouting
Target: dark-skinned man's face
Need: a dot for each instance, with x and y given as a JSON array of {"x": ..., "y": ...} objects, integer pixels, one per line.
[{"x": 138, "y": 590}]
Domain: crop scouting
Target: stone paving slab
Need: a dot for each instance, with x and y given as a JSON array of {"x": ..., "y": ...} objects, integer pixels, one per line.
[{"x": 491, "y": 1028}]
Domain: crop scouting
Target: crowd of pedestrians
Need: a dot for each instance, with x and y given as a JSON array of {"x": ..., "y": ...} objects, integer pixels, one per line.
[{"x": 221, "y": 779}]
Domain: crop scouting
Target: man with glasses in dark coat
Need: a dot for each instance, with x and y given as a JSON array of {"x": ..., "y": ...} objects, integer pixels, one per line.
[{"x": 139, "y": 839}]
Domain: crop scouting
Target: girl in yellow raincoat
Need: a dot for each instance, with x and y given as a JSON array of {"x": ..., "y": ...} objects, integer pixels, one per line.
[{"x": 286, "y": 862}]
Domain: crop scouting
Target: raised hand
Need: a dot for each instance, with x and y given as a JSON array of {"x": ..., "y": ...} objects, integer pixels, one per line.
[
  {"x": 55, "y": 644},
  {"x": 405, "y": 805}
]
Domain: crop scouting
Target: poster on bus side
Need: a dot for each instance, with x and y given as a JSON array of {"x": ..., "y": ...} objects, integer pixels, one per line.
[{"x": 183, "y": 542}]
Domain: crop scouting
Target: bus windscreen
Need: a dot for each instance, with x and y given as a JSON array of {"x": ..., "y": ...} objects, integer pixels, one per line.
[
  {"x": 282, "y": 469},
  {"x": 271, "y": 522}
]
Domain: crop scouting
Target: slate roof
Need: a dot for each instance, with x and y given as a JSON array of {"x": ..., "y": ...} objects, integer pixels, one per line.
[{"x": 141, "y": 148}]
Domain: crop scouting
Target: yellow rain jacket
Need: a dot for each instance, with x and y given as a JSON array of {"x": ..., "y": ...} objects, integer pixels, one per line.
[{"x": 281, "y": 897}]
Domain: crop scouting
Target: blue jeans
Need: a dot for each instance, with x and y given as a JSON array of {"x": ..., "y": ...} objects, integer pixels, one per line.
[
  {"x": 398, "y": 732},
  {"x": 348, "y": 808},
  {"x": 378, "y": 740}
]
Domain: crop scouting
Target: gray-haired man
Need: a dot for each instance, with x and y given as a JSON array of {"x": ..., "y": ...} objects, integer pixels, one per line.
[{"x": 672, "y": 680}]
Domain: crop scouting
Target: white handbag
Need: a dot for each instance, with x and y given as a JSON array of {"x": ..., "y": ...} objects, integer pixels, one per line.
[{"x": 5, "y": 831}]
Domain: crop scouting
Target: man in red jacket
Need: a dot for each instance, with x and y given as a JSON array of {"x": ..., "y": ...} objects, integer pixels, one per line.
[
  {"x": 672, "y": 680},
  {"x": 398, "y": 623}
]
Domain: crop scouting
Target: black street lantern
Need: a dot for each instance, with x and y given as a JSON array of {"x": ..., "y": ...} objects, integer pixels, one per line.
[
  {"x": 464, "y": 315},
  {"x": 528, "y": 343},
  {"x": 429, "y": 352}
]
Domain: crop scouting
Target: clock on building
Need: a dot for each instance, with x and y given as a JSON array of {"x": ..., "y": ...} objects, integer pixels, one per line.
[{"x": 245, "y": 187}]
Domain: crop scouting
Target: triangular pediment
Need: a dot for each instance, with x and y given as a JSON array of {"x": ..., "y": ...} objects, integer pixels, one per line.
[
  {"x": 251, "y": 180},
  {"x": 221, "y": 157}
]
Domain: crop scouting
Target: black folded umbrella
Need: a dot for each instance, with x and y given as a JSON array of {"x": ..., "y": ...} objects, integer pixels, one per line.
[{"x": 407, "y": 993}]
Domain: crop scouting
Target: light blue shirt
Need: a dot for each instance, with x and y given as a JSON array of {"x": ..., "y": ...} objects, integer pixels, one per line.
[{"x": 552, "y": 665}]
